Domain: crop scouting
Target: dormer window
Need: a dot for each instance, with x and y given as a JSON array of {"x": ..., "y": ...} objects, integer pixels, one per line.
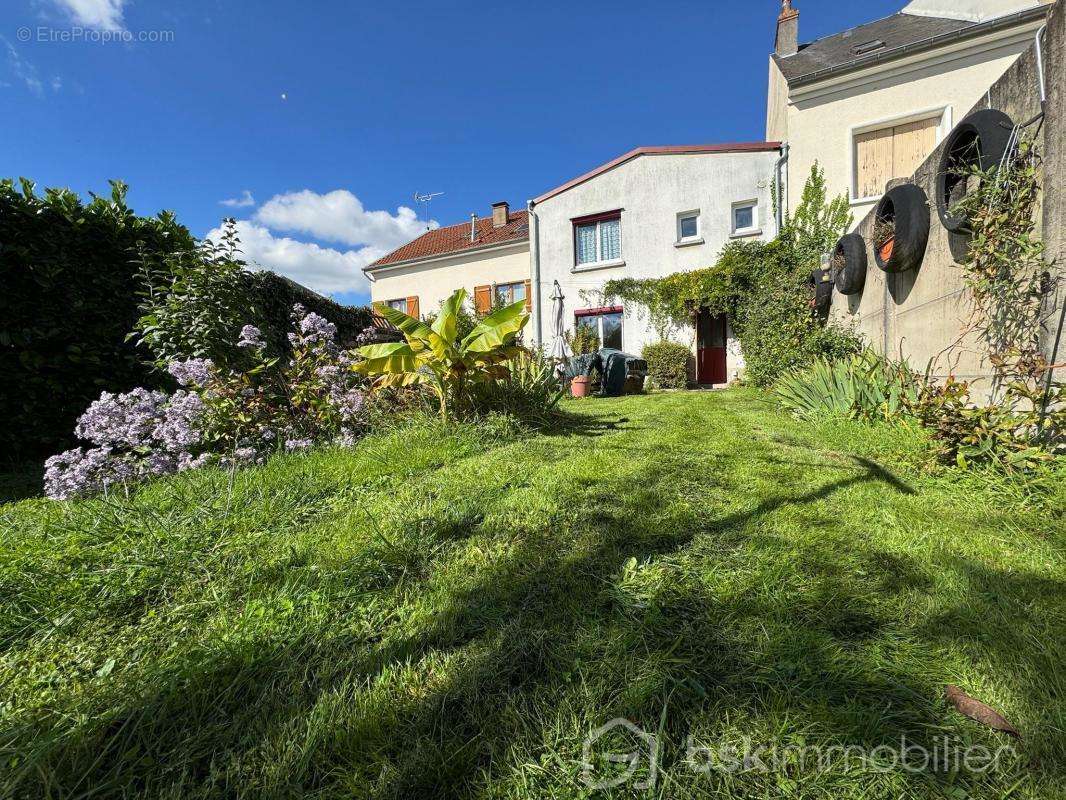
[{"x": 868, "y": 47}]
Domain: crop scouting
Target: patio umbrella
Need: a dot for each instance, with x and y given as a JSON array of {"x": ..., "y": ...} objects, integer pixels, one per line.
[{"x": 560, "y": 350}]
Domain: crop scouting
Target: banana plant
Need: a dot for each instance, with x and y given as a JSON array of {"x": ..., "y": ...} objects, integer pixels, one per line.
[{"x": 434, "y": 356}]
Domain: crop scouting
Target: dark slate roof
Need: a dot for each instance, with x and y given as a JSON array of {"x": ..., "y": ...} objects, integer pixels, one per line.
[{"x": 901, "y": 33}]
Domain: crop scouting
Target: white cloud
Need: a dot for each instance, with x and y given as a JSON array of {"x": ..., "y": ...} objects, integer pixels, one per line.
[
  {"x": 24, "y": 70},
  {"x": 103, "y": 14},
  {"x": 323, "y": 269},
  {"x": 244, "y": 201},
  {"x": 339, "y": 216}
]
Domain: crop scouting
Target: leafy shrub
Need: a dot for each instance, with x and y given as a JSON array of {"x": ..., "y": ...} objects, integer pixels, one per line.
[
  {"x": 193, "y": 302},
  {"x": 529, "y": 392},
  {"x": 436, "y": 358},
  {"x": 583, "y": 341},
  {"x": 668, "y": 364},
  {"x": 866, "y": 386},
  {"x": 69, "y": 300},
  {"x": 1011, "y": 434},
  {"x": 219, "y": 416}
]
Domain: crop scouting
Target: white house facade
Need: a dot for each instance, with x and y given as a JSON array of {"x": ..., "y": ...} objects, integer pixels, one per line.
[{"x": 649, "y": 213}]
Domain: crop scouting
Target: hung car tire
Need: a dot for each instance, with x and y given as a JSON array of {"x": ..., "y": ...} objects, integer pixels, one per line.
[
  {"x": 906, "y": 207},
  {"x": 851, "y": 277},
  {"x": 979, "y": 141}
]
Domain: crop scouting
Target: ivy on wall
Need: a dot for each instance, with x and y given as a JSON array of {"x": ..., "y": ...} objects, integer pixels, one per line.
[{"x": 764, "y": 287}]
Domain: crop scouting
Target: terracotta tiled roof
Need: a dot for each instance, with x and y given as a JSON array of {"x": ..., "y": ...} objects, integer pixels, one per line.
[
  {"x": 456, "y": 238},
  {"x": 670, "y": 149}
]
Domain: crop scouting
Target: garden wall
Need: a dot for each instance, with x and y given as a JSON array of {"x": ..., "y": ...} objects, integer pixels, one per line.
[{"x": 922, "y": 314}]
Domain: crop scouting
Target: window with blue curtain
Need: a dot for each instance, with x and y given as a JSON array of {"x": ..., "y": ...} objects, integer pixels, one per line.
[{"x": 598, "y": 241}]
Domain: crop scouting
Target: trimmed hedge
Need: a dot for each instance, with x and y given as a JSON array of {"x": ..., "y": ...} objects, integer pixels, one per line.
[
  {"x": 273, "y": 297},
  {"x": 668, "y": 364},
  {"x": 69, "y": 299}
]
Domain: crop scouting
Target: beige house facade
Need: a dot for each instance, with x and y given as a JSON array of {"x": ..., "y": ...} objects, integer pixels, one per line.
[
  {"x": 489, "y": 257},
  {"x": 871, "y": 103}
]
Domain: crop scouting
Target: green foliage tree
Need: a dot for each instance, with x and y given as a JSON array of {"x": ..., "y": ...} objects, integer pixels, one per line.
[
  {"x": 194, "y": 301},
  {"x": 818, "y": 222},
  {"x": 434, "y": 356}
]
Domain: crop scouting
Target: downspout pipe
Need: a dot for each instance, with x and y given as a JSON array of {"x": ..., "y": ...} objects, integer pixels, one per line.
[
  {"x": 781, "y": 180},
  {"x": 534, "y": 257}
]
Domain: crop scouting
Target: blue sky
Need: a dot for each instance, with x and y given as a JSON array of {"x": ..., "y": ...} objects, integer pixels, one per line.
[{"x": 323, "y": 119}]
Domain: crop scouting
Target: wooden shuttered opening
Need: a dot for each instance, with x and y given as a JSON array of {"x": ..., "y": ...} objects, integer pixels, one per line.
[
  {"x": 412, "y": 307},
  {"x": 482, "y": 299},
  {"x": 529, "y": 295},
  {"x": 893, "y": 152}
]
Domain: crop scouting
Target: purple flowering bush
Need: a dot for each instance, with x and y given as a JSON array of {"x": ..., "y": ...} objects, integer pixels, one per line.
[{"x": 225, "y": 417}]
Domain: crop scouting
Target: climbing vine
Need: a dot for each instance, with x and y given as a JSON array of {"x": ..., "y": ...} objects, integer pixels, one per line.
[{"x": 1005, "y": 269}]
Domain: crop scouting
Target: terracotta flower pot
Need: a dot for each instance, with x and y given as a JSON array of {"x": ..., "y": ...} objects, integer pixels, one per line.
[
  {"x": 579, "y": 386},
  {"x": 887, "y": 247}
]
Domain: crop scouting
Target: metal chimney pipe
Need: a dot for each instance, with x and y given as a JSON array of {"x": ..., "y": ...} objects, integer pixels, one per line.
[{"x": 473, "y": 227}]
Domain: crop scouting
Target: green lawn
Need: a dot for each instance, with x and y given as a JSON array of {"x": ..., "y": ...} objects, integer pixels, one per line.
[{"x": 450, "y": 613}]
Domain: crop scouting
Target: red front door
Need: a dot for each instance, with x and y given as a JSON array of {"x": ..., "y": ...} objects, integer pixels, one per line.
[{"x": 710, "y": 349}]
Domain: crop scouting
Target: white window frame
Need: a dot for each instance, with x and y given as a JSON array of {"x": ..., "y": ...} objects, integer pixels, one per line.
[
  {"x": 695, "y": 238},
  {"x": 943, "y": 129},
  {"x": 401, "y": 300},
  {"x": 755, "y": 229},
  {"x": 599, "y": 262}
]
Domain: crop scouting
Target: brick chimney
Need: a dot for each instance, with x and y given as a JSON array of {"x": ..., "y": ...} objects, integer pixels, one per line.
[
  {"x": 501, "y": 212},
  {"x": 787, "y": 43}
]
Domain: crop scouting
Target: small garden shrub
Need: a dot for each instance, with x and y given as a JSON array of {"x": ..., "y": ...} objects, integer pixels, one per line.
[
  {"x": 226, "y": 416},
  {"x": 866, "y": 386},
  {"x": 583, "y": 341},
  {"x": 668, "y": 364},
  {"x": 530, "y": 391}
]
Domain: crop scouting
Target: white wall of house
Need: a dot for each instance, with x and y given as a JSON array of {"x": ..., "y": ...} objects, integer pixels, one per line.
[
  {"x": 820, "y": 121},
  {"x": 435, "y": 279},
  {"x": 651, "y": 191}
]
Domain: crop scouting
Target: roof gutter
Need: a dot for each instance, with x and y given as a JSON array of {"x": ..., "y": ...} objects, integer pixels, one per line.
[
  {"x": 534, "y": 257},
  {"x": 929, "y": 43}
]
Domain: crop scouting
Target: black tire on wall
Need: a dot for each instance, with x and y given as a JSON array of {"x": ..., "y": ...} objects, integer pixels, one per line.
[
  {"x": 978, "y": 141},
  {"x": 907, "y": 208},
  {"x": 851, "y": 278}
]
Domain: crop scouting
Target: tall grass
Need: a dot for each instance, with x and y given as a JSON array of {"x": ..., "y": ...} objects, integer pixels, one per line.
[{"x": 439, "y": 613}]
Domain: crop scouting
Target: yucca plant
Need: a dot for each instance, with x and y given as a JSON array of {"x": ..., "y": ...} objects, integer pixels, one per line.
[
  {"x": 434, "y": 356},
  {"x": 865, "y": 386}
]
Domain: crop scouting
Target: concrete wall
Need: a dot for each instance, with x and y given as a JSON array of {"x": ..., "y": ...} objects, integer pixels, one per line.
[
  {"x": 434, "y": 280},
  {"x": 651, "y": 190},
  {"x": 823, "y": 117},
  {"x": 922, "y": 314}
]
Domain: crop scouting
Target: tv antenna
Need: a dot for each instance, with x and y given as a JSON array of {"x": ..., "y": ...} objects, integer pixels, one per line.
[{"x": 427, "y": 199}]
